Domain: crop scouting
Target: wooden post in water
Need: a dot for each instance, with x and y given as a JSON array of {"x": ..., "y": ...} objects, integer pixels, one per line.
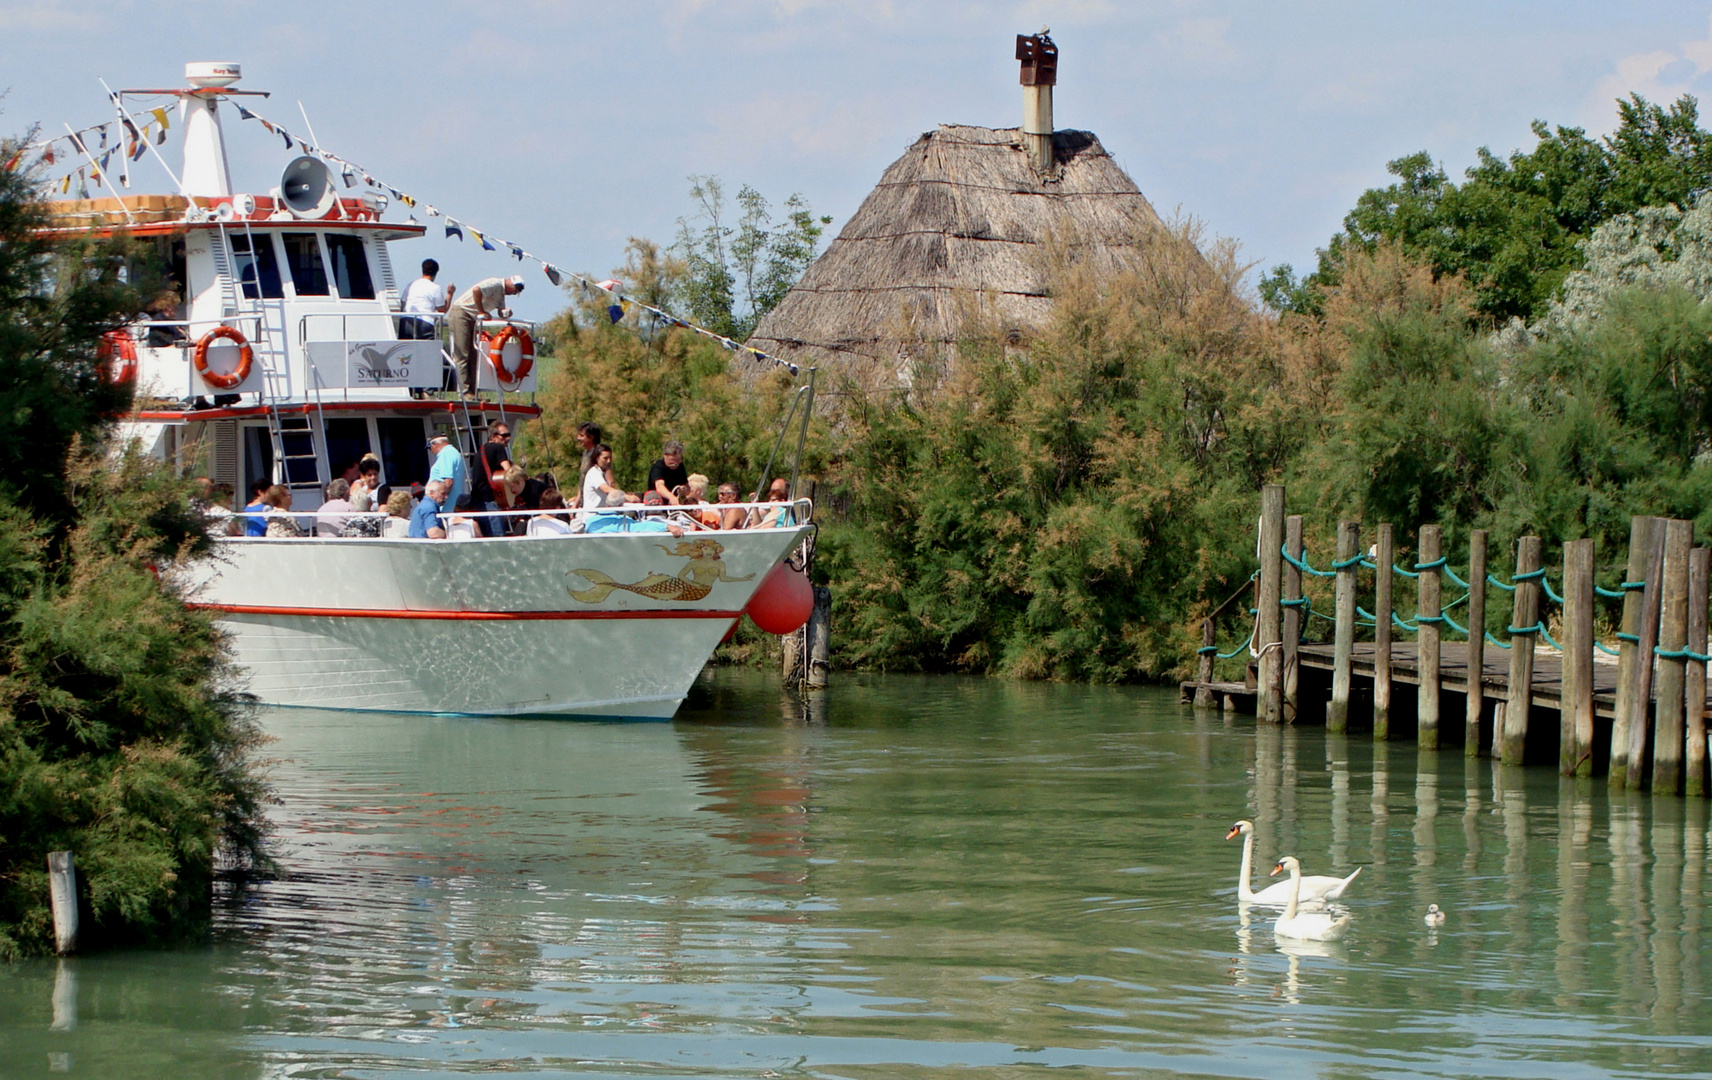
[
  {"x": 1652, "y": 598},
  {"x": 62, "y": 897},
  {"x": 1268, "y": 634},
  {"x": 1204, "y": 667},
  {"x": 1427, "y": 650},
  {"x": 790, "y": 656},
  {"x": 1628, "y": 667},
  {"x": 1294, "y": 616},
  {"x": 1524, "y": 614},
  {"x": 1476, "y": 702},
  {"x": 818, "y": 643},
  {"x": 1694, "y": 694},
  {"x": 1348, "y": 544},
  {"x": 1384, "y": 552},
  {"x": 1575, "y": 728},
  {"x": 1672, "y": 665}
]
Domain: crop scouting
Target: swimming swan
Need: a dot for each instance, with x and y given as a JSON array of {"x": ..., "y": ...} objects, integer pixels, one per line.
[
  {"x": 1305, "y": 925},
  {"x": 1314, "y": 889}
]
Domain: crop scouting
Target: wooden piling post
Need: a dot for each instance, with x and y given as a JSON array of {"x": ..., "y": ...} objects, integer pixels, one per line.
[
  {"x": 1294, "y": 617},
  {"x": 62, "y": 897},
  {"x": 1524, "y": 614},
  {"x": 790, "y": 657},
  {"x": 1348, "y": 544},
  {"x": 819, "y": 643},
  {"x": 1427, "y": 597},
  {"x": 1269, "y": 631},
  {"x": 1575, "y": 728},
  {"x": 1204, "y": 667},
  {"x": 1672, "y": 665},
  {"x": 1476, "y": 702},
  {"x": 1694, "y": 693},
  {"x": 1384, "y": 552},
  {"x": 1628, "y": 667},
  {"x": 1652, "y": 598}
]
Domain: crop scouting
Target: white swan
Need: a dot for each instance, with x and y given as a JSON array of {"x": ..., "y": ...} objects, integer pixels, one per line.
[
  {"x": 1435, "y": 917},
  {"x": 1314, "y": 889},
  {"x": 1305, "y": 925}
]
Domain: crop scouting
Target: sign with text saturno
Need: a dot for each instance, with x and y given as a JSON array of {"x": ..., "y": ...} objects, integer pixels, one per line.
[{"x": 365, "y": 364}]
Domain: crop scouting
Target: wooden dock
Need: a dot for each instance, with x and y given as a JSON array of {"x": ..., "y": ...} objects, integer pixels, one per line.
[{"x": 1634, "y": 708}]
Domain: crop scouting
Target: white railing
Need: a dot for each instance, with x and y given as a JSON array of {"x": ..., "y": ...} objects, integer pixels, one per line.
[{"x": 799, "y": 511}]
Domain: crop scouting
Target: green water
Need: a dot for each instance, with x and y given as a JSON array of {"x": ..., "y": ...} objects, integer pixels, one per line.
[{"x": 921, "y": 877}]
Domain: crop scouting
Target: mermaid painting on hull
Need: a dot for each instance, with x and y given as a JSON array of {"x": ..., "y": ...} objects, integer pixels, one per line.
[{"x": 692, "y": 583}]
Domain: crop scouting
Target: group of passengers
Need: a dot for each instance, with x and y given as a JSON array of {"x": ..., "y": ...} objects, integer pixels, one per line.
[{"x": 501, "y": 500}]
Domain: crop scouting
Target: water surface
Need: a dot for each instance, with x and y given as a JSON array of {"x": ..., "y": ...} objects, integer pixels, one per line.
[{"x": 914, "y": 877}]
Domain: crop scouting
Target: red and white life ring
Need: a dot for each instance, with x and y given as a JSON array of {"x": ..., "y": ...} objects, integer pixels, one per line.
[
  {"x": 117, "y": 344},
  {"x": 246, "y": 356},
  {"x": 525, "y": 358}
]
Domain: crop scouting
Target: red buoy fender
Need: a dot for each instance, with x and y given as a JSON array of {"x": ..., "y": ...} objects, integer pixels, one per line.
[
  {"x": 117, "y": 345},
  {"x": 784, "y": 600}
]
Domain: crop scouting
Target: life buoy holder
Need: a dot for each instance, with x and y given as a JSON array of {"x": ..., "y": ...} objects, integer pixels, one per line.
[
  {"x": 525, "y": 358},
  {"x": 117, "y": 344},
  {"x": 246, "y": 356}
]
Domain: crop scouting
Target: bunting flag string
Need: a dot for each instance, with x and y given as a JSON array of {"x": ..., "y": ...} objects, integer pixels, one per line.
[
  {"x": 129, "y": 135},
  {"x": 648, "y": 320}
]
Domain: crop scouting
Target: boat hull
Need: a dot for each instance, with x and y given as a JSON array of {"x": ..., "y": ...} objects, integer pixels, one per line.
[{"x": 602, "y": 626}]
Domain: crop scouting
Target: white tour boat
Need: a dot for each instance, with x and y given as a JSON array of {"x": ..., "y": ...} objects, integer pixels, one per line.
[{"x": 285, "y": 361}]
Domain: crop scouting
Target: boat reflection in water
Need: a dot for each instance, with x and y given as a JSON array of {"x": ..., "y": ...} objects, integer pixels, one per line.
[{"x": 922, "y": 877}]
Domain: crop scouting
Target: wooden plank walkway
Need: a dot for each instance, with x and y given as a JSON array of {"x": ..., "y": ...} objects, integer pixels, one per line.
[{"x": 1453, "y": 671}]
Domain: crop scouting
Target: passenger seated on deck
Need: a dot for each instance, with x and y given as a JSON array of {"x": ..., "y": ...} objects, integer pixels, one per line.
[
  {"x": 280, "y": 522},
  {"x": 425, "y": 518},
  {"x": 548, "y": 523},
  {"x": 255, "y": 521},
  {"x": 779, "y": 491},
  {"x": 731, "y": 516},
  {"x": 461, "y": 526},
  {"x": 330, "y": 520},
  {"x": 397, "y": 524}
]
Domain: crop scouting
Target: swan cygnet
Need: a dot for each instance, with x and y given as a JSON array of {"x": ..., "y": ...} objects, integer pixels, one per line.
[
  {"x": 1315, "y": 889},
  {"x": 1435, "y": 917},
  {"x": 1305, "y": 925}
]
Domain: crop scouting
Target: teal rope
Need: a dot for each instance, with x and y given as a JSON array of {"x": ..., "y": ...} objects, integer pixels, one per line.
[
  {"x": 1541, "y": 627},
  {"x": 1514, "y": 630},
  {"x": 1369, "y": 563},
  {"x": 1681, "y": 654},
  {"x": 1631, "y": 586},
  {"x": 1367, "y": 617},
  {"x": 1450, "y": 622},
  {"x": 1353, "y": 560},
  {"x": 1551, "y": 593},
  {"x": 1302, "y": 564},
  {"x": 1494, "y": 641},
  {"x": 1436, "y": 564},
  {"x": 1531, "y": 575},
  {"x": 1614, "y": 594},
  {"x": 1406, "y": 627},
  {"x": 1449, "y": 573},
  {"x": 1300, "y": 602},
  {"x": 1602, "y": 647},
  {"x": 1240, "y": 649},
  {"x": 1632, "y": 639},
  {"x": 1399, "y": 570},
  {"x": 1490, "y": 580},
  {"x": 1463, "y": 599}
]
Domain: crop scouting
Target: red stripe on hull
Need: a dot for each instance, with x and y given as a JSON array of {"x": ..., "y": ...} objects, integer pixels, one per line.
[{"x": 478, "y": 616}]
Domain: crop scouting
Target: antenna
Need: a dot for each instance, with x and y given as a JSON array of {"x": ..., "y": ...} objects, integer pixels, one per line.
[{"x": 307, "y": 124}]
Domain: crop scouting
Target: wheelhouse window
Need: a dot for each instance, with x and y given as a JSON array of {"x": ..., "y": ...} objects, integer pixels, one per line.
[
  {"x": 303, "y": 256},
  {"x": 258, "y": 270},
  {"x": 350, "y": 267}
]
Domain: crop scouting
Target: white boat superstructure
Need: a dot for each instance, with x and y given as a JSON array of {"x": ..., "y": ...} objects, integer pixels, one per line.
[{"x": 280, "y": 352}]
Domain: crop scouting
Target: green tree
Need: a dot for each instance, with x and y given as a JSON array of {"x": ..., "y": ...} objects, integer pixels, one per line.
[
  {"x": 734, "y": 273},
  {"x": 120, "y": 736},
  {"x": 1514, "y": 227}
]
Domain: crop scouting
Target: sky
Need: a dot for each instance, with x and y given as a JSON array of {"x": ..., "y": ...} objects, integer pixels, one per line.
[{"x": 568, "y": 127}]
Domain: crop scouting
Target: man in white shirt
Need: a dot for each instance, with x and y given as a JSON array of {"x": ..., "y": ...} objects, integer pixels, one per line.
[
  {"x": 484, "y": 298},
  {"x": 424, "y": 297}
]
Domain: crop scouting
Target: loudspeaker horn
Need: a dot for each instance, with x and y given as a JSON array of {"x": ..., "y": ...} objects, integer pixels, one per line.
[{"x": 306, "y": 188}]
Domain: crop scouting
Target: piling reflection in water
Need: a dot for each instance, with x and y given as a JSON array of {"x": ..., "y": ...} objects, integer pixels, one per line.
[{"x": 909, "y": 877}]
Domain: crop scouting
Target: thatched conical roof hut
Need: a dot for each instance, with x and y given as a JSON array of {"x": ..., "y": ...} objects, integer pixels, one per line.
[{"x": 963, "y": 216}]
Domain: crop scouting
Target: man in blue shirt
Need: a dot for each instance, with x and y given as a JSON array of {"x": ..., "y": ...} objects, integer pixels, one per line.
[
  {"x": 449, "y": 466},
  {"x": 425, "y": 519},
  {"x": 254, "y": 523}
]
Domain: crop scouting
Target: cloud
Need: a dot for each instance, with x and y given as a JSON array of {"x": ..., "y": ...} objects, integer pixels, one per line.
[{"x": 1660, "y": 76}]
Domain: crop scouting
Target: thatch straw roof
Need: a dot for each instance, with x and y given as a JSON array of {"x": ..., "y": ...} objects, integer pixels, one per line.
[{"x": 961, "y": 216}]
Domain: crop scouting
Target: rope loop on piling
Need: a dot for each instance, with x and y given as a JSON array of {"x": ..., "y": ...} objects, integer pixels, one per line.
[
  {"x": 1353, "y": 560},
  {"x": 1681, "y": 654}
]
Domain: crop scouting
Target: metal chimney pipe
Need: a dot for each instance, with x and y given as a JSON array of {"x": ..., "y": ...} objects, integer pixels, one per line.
[{"x": 1039, "y": 58}]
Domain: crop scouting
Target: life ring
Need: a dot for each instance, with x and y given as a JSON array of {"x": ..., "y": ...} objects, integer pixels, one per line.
[
  {"x": 525, "y": 359},
  {"x": 246, "y": 356},
  {"x": 117, "y": 343}
]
